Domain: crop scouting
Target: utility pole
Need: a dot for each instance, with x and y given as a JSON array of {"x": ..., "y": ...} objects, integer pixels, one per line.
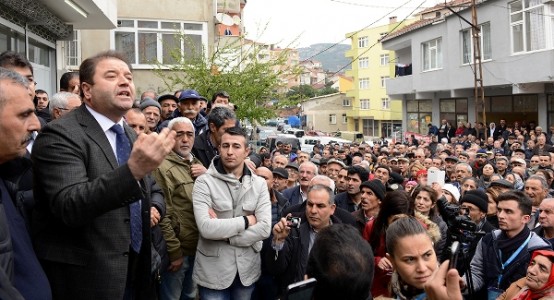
[{"x": 479, "y": 90}]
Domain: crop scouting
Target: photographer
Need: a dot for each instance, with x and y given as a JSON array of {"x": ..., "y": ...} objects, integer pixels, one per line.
[
  {"x": 292, "y": 243},
  {"x": 473, "y": 204}
]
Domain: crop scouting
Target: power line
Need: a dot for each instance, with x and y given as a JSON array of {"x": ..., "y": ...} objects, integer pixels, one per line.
[
  {"x": 356, "y": 32},
  {"x": 371, "y": 47}
]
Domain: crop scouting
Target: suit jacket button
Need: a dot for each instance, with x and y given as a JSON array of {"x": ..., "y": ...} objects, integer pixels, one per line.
[
  {"x": 125, "y": 254},
  {"x": 126, "y": 221}
]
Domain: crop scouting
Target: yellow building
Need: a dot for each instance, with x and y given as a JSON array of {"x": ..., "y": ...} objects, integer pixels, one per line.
[{"x": 371, "y": 111}]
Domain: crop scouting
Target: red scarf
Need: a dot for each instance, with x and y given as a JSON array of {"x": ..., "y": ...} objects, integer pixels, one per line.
[{"x": 547, "y": 289}]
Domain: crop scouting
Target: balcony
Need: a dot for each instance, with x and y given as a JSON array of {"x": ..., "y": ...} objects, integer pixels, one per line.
[{"x": 398, "y": 86}]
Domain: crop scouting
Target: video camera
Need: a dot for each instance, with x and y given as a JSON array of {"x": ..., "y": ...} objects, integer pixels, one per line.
[{"x": 451, "y": 215}]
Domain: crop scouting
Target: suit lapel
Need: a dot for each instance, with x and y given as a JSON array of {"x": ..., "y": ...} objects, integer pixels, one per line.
[{"x": 94, "y": 131}]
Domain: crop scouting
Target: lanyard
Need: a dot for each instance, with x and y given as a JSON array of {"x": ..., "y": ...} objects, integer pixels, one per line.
[{"x": 511, "y": 259}]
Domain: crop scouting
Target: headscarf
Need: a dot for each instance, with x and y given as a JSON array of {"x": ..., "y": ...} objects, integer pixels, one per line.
[{"x": 548, "y": 288}]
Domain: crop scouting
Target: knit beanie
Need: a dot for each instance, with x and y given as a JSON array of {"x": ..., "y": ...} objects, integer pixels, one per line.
[
  {"x": 477, "y": 198},
  {"x": 149, "y": 102},
  {"x": 377, "y": 187}
]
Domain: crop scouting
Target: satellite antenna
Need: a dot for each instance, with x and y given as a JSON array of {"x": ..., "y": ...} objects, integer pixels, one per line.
[
  {"x": 236, "y": 20},
  {"x": 224, "y": 19}
]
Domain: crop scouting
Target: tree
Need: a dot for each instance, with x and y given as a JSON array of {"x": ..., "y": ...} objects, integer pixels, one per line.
[
  {"x": 242, "y": 69},
  {"x": 303, "y": 91}
]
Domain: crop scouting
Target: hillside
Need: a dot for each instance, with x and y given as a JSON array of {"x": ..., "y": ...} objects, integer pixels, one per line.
[{"x": 332, "y": 59}]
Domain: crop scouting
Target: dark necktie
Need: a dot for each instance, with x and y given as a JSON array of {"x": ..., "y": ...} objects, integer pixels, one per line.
[{"x": 123, "y": 150}]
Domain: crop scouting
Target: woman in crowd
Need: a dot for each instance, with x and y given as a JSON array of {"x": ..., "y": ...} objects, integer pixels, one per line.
[
  {"x": 395, "y": 204},
  {"x": 516, "y": 180},
  {"x": 411, "y": 253},
  {"x": 424, "y": 201},
  {"x": 486, "y": 173},
  {"x": 415, "y": 169},
  {"x": 451, "y": 193},
  {"x": 460, "y": 130},
  {"x": 421, "y": 177},
  {"x": 539, "y": 282},
  {"x": 410, "y": 186}
]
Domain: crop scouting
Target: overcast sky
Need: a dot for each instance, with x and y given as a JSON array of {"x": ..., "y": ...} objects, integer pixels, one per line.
[{"x": 319, "y": 21}]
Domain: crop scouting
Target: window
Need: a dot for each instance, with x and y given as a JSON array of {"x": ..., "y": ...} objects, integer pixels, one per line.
[
  {"x": 364, "y": 83},
  {"x": 344, "y": 119},
  {"x": 385, "y": 103},
  {"x": 432, "y": 55},
  {"x": 364, "y": 103},
  {"x": 550, "y": 108},
  {"x": 345, "y": 102},
  {"x": 454, "y": 110},
  {"x": 485, "y": 40},
  {"x": 531, "y": 25},
  {"x": 38, "y": 53},
  {"x": 369, "y": 127},
  {"x": 73, "y": 50},
  {"x": 362, "y": 42},
  {"x": 384, "y": 58},
  {"x": 332, "y": 119},
  {"x": 419, "y": 114},
  {"x": 148, "y": 42},
  {"x": 384, "y": 81},
  {"x": 363, "y": 62}
]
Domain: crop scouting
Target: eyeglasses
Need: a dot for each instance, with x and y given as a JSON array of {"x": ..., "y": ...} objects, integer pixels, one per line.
[{"x": 62, "y": 108}]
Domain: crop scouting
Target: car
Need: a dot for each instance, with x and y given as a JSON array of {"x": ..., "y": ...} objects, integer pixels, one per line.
[
  {"x": 262, "y": 136},
  {"x": 271, "y": 141},
  {"x": 271, "y": 123},
  {"x": 296, "y": 132}
]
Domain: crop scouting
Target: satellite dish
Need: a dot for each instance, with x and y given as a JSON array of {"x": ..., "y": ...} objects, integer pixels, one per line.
[
  {"x": 224, "y": 19},
  {"x": 236, "y": 20}
]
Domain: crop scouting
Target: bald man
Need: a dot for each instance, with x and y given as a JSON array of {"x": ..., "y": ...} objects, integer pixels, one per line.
[
  {"x": 546, "y": 219},
  {"x": 136, "y": 120},
  {"x": 278, "y": 201}
]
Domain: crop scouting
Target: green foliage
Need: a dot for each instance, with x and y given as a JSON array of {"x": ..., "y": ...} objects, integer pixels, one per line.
[{"x": 243, "y": 70}]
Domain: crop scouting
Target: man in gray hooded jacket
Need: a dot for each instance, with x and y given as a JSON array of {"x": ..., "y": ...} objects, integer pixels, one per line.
[{"x": 233, "y": 214}]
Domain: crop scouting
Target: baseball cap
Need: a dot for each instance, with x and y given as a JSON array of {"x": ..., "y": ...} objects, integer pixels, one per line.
[{"x": 190, "y": 94}]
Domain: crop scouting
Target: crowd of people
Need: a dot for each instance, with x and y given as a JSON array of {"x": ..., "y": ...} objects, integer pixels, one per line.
[{"x": 108, "y": 197}]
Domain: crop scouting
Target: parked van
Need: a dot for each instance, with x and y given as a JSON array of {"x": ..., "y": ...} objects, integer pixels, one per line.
[{"x": 352, "y": 136}]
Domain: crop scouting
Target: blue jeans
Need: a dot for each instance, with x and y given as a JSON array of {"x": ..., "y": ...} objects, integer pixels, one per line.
[
  {"x": 179, "y": 285},
  {"x": 236, "y": 291}
]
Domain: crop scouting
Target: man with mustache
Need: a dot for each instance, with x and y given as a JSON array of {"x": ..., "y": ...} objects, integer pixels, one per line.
[
  {"x": 176, "y": 178},
  {"x": 189, "y": 106},
  {"x": 21, "y": 276}
]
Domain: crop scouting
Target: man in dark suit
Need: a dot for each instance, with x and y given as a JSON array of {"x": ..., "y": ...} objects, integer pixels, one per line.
[
  {"x": 94, "y": 193},
  {"x": 299, "y": 193}
]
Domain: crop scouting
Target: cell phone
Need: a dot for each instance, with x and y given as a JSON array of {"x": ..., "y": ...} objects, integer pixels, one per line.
[
  {"x": 302, "y": 290},
  {"x": 454, "y": 250}
]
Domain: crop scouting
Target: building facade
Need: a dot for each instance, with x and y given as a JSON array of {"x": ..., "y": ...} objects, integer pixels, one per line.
[
  {"x": 517, "y": 55},
  {"x": 371, "y": 110},
  {"x": 36, "y": 28},
  {"x": 326, "y": 113},
  {"x": 159, "y": 31}
]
